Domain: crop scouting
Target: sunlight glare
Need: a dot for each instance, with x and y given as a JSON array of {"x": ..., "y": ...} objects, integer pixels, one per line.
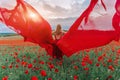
[{"x": 34, "y": 16}]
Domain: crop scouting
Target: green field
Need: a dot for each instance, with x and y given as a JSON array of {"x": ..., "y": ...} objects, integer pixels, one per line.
[
  {"x": 7, "y": 34},
  {"x": 32, "y": 63}
]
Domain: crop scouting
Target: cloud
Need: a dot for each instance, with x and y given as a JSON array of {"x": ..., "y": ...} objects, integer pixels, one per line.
[
  {"x": 4, "y": 29},
  {"x": 64, "y": 12},
  {"x": 55, "y": 11},
  {"x": 109, "y": 5},
  {"x": 102, "y": 19},
  {"x": 65, "y": 22},
  {"x": 8, "y": 3},
  {"x": 57, "y": 8}
]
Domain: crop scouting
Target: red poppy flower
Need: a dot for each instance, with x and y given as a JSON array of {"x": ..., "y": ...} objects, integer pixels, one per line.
[
  {"x": 5, "y": 78},
  {"x": 89, "y": 61},
  {"x": 110, "y": 76},
  {"x": 16, "y": 66},
  {"x": 23, "y": 63},
  {"x": 34, "y": 78},
  {"x": 100, "y": 58},
  {"x": 26, "y": 71},
  {"x": 104, "y": 64},
  {"x": 85, "y": 59},
  {"x": 116, "y": 62},
  {"x": 19, "y": 49},
  {"x": 41, "y": 62},
  {"x": 24, "y": 56},
  {"x": 51, "y": 66},
  {"x": 15, "y": 54},
  {"x": 38, "y": 56},
  {"x": 109, "y": 60},
  {"x": 76, "y": 67},
  {"x": 56, "y": 70},
  {"x": 83, "y": 63},
  {"x": 97, "y": 64},
  {"x": 111, "y": 67},
  {"x": 43, "y": 73},
  {"x": 36, "y": 68},
  {"x": 34, "y": 61},
  {"x": 86, "y": 69},
  {"x": 118, "y": 51},
  {"x": 60, "y": 63},
  {"x": 49, "y": 79},
  {"x": 75, "y": 77},
  {"x": 50, "y": 58},
  {"x": 30, "y": 65},
  {"x": 3, "y": 67},
  {"x": 104, "y": 54},
  {"x": 17, "y": 60},
  {"x": 10, "y": 66}
]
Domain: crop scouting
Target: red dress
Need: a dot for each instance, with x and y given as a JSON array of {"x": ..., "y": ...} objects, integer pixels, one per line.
[{"x": 56, "y": 50}]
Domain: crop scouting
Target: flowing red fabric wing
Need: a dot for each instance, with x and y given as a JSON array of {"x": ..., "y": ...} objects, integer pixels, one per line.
[
  {"x": 116, "y": 17},
  {"x": 84, "y": 39},
  {"x": 27, "y": 22},
  {"x": 76, "y": 39}
]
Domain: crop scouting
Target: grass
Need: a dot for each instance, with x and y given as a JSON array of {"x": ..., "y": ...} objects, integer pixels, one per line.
[{"x": 32, "y": 63}]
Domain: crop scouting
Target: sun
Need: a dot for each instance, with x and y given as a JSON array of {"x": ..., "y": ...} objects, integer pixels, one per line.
[{"x": 34, "y": 16}]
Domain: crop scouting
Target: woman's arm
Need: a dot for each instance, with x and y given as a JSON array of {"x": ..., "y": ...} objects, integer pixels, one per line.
[{"x": 53, "y": 35}]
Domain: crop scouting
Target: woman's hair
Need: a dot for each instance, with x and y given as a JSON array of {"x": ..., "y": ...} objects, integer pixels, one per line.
[{"x": 58, "y": 29}]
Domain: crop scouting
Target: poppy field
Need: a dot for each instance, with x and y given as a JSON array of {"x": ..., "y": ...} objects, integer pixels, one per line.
[{"x": 31, "y": 62}]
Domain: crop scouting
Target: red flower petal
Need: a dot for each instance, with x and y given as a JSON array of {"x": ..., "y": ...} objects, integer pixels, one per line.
[
  {"x": 43, "y": 73},
  {"x": 34, "y": 78}
]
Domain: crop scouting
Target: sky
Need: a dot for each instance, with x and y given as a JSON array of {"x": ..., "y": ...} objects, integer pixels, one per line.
[{"x": 64, "y": 12}]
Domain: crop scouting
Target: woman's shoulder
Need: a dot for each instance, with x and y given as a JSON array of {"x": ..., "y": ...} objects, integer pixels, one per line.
[
  {"x": 63, "y": 32},
  {"x": 53, "y": 32}
]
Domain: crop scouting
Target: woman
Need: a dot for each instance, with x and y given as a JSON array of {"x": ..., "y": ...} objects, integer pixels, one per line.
[{"x": 57, "y": 35}]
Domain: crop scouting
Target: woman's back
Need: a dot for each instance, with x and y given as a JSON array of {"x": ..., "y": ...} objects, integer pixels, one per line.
[{"x": 58, "y": 33}]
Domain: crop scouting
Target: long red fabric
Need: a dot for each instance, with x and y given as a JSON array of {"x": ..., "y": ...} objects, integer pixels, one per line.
[
  {"x": 26, "y": 21},
  {"x": 76, "y": 40}
]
